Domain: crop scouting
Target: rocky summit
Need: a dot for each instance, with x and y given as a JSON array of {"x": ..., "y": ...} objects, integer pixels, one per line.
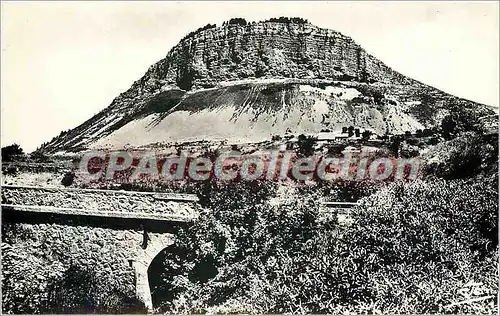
[{"x": 247, "y": 82}]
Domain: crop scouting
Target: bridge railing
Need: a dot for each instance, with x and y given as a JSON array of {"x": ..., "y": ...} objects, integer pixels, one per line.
[{"x": 97, "y": 202}]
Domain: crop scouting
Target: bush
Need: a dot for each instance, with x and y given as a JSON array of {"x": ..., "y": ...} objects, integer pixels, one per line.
[
  {"x": 288, "y": 20},
  {"x": 238, "y": 21},
  {"x": 56, "y": 288},
  {"x": 12, "y": 152},
  {"x": 219, "y": 239},
  {"x": 40, "y": 157},
  {"x": 366, "y": 135},
  {"x": 11, "y": 171},
  {"x": 461, "y": 119},
  {"x": 421, "y": 243},
  {"x": 78, "y": 291},
  {"x": 68, "y": 179},
  {"x": 306, "y": 145},
  {"x": 465, "y": 156},
  {"x": 412, "y": 248}
]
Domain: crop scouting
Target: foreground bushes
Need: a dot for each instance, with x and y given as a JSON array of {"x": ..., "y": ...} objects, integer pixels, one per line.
[
  {"x": 42, "y": 274},
  {"x": 420, "y": 248},
  {"x": 426, "y": 241},
  {"x": 466, "y": 156}
]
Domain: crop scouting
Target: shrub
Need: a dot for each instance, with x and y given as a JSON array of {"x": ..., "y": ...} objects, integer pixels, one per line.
[
  {"x": 288, "y": 20},
  {"x": 366, "y": 135},
  {"x": 412, "y": 248},
  {"x": 306, "y": 145},
  {"x": 42, "y": 285},
  {"x": 12, "y": 152},
  {"x": 219, "y": 239},
  {"x": 238, "y": 21},
  {"x": 462, "y": 118},
  {"x": 78, "y": 291},
  {"x": 465, "y": 156},
  {"x": 11, "y": 170},
  {"x": 40, "y": 157},
  {"x": 422, "y": 242},
  {"x": 68, "y": 179}
]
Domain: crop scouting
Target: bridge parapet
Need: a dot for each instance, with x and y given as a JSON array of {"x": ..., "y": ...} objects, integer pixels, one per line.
[{"x": 106, "y": 203}]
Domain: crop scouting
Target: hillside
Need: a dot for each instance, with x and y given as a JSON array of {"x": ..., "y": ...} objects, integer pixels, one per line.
[{"x": 250, "y": 81}]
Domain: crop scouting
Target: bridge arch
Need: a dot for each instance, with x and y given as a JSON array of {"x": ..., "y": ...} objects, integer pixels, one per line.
[{"x": 153, "y": 244}]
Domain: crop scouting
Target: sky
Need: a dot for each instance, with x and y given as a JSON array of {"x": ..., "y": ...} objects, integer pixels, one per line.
[{"x": 63, "y": 62}]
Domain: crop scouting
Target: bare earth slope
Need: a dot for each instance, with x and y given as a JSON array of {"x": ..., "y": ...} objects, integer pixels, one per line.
[{"x": 250, "y": 82}]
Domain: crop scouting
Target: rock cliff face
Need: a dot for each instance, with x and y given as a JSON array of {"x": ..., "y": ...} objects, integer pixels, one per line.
[
  {"x": 237, "y": 69},
  {"x": 267, "y": 49}
]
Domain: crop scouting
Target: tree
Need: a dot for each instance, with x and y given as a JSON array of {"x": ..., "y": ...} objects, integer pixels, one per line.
[
  {"x": 350, "y": 131},
  {"x": 366, "y": 135},
  {"x": 39, "y": 156},
  {"x": 12, "y": 152},
  {"x": 394, "y": 146},
  {"x": 460, "y": 120},
  {"x": 68, "y": 179},
  {"x": 427, "y": 132},
  {"x": 283, "y": 19},
  {"x": 239, "y": 21},
  {"x": 306, "y": 144}
]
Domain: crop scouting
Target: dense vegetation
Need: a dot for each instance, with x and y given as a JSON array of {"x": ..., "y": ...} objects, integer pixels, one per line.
[
  {"x": 206, "y": 27},
  {"x": 288, "y": 20},
  {"x": 237, "y": 21},
  {"x": 253, "y": 255},
  {"x": 12, "y": 152},
  {"x": 422, "y": 247},
  {"x": 243, "y": 22},
  {"x": 54, "y": 290},
  {"x": 428, "y": 246}
]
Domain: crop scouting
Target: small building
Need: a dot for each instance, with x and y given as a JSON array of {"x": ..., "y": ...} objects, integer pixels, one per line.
[
  {"x": 327, "y": 136},
  {"x": 350, "y": 149}
]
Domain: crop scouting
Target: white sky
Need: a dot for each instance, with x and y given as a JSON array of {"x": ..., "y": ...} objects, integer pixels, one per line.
[{"x": 62, "y": 62}]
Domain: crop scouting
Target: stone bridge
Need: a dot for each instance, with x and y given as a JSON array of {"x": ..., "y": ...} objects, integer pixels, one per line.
[{"x": 116, "y": 233}]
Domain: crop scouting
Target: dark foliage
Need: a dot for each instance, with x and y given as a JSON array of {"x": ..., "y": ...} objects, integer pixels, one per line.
[
  {"x": 238, "y": 21},
  {"x": 366, "y": 135},
  {"x": 68, "y": 179},
  {"x": 206, "y": 27},
  {"x": 462, "y": 118},
  {"x": 78, "y": 292},
  {"x": 372, "y": 92},
  {"x": 247, "y": 254},
  {"x": 12, "y": 152},
  {"x": 40, "y": 157},
  {"x": 288, "y": 20},
  {"x": 395, "y": 144},
  {"x": 162, "y": 102},
  {"x": 467, "y": 156},
  {"x": 306, "y": 145},
  {"x": 350, "y": 131}
]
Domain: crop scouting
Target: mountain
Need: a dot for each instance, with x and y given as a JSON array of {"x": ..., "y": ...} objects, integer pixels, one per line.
[{"x": 250, "y": 81}]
